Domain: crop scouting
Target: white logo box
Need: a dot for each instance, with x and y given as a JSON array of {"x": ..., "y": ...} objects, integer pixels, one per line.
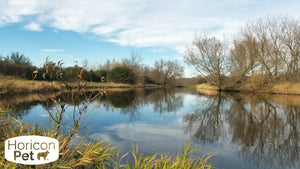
[{"x": 31, "y": 150}]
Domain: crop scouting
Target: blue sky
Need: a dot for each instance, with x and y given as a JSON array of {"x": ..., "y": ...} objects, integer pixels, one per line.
[{"x": 98, "y": 30}]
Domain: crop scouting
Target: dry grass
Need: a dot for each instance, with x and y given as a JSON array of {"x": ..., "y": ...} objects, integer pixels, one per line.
[
  {"x": 286, "y": 88},
  {"x": 107, "y": 85},
  {"x": 207, "y": 89},
  {"x": 11, "y": 85},
  {"x": 14, "y": 85},
  {"x": 290, "y": 88},
  {"x": 206, "y": 86}
]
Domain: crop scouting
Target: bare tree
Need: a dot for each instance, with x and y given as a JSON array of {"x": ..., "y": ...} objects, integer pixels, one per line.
[
  {"x": 172, "y": 71},
  {"x": 207, "y": 56},
  {"x": 156, "y": 74},
  {"x": 134, "y": 61},
  {"x": 290, "y": 38},
  {"x": 243, "y": 58},
  {"x": 259, "y": 31},
  {"x": 278, "y": 45},
  {"x": 166, "y": 72}
]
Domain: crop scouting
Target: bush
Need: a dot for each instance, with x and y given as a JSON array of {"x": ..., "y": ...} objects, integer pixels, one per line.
[
  {"x": 121, "y": 74},
  {"x": 11, "y": 69}
]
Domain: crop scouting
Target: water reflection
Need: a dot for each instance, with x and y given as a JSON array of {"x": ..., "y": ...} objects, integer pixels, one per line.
[
  {"x": 121, "y": 99},
  {"x": 266, "y": 133},
  {"x": 260, "y": 131},
  {"x": 20, "y": 105},
  {"x": 127, "y": 100},
  {"x": 207, "y": 119},
  {"x": 165, "y": 100}
]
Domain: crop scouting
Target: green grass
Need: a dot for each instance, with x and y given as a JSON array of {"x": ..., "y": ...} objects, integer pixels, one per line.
[{"x": 161, "y": 161}]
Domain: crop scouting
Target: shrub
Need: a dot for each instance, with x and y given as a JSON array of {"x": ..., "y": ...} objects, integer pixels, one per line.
[
  {"x": 121, "y": 74},
  {"x": 12, "y": 69}
]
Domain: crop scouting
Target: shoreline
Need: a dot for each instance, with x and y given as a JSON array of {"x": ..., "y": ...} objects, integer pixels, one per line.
[
  {"x": 280, "y": 88},
  {"x": 11, "y": 86}
]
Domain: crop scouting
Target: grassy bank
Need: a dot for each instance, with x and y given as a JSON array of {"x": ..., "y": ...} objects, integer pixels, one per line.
[
  {"x": 290, "y": 88},
  {"x": 14, "y": 85}
]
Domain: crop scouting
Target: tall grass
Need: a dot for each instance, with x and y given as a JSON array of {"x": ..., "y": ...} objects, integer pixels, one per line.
[
  {"x": 15, "y": 85},
  {"x": 185, "y": 160},
  {"x": 90, "y": 155},
  {"x": 97, "y": 154}
]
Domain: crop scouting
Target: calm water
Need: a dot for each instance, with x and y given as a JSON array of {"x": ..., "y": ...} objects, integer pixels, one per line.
[{"x": 244, "y": 132}]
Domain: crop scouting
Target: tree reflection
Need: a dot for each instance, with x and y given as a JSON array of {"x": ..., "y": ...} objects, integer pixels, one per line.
[
  {"x": 130, "y": 101},
  {"x": 207, "y": 119},
  {"x": 121, "y": 99},
  {"x": 17, "y": 112},
  {"x": 267, "y": 133},
  {"x": 20, "y": 105},
  {"x": 165, "y": 100}
]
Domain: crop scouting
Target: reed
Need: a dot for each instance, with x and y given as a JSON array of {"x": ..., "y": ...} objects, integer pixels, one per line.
[
  {"x": 97, "y": 154},
  {"x": 162, "y": 161}
]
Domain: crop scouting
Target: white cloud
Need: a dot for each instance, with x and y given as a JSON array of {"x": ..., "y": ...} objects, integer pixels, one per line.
[
  {"x": 33, "y": 26},
  {"x": 52, "y": 50},
  {"x": 149, "y": 23}
]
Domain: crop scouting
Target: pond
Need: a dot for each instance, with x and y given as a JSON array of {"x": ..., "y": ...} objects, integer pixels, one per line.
[{"x": 244, "y": 131}]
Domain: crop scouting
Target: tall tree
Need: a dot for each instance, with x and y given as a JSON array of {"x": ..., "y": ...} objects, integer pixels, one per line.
[
  {"x": 207, "y": 56},
  {"x": 261, "y": 31},
  {"x": 290, "y": 38},
  {"x": 278, "y": 45},
  {"x": 243, "y": 58}
]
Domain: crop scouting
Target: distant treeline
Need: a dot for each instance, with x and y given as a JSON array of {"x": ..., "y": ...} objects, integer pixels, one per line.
[{"x": 129, "y": 71}]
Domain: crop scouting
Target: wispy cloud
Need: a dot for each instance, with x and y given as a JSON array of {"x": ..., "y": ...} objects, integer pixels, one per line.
[
  {"x": 52, "y": 50},
  {"x": 33, "y": 26},
  {"x": 150, "y": 23}
]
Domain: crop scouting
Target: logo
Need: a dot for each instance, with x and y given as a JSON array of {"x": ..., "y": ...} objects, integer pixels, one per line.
[{"x": 32, "y": 150}]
